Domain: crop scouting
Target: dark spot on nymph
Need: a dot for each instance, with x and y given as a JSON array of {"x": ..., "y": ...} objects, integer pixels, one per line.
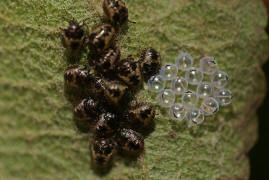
[
  {"x": 116, "y": 17},
  {"x": 154, "y": 55},
  {"x": 135, "y": 80},
  {"x": 100, "y": 160},
  {"x": 74, "y": 45},
  {"x": 145, "y": 113},
  {"x": 114, "y": 92},
  {"x": 107, "y": 65},
  {"x": 134, "y": 66},
  {"x": 133, "y": 145},
  {"x": 100, "y": 44},
  {"x": 68, "y": 77}
]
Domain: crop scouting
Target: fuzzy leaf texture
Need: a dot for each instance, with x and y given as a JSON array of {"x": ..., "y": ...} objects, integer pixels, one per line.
[{"x": 38, "y": 138}]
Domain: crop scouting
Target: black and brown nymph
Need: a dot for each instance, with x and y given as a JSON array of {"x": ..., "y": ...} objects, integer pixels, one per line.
[
  {"x": 103, "y": 151},
  {"x": 150, "y": 61},
  {"x": 88, "y": 109},
  {"x": 141, "y": 115},
  {"x": 106, "y": 125},
  {"x": 130, "y": 141},
  {"x": 74, "y": 36},
  {"x": 106, "y": 62},
  {"x": 128, "y": 71},
  {"x": 101, "y": 38},
  {"x": 115, "y": 11},
  {"x": 112, "y": 91},
  {"x": 76, "y": 76}
]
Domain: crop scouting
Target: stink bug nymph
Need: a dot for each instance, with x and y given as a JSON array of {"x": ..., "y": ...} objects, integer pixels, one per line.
[
  {"x": 76, "y": 76},
  {"x": 107, "y": 61},
  {"x": 103, "y": 151},
  {"x": 130, "y": 141},
  {"x": 140, "y": 115},
  {"x": 88, "y": 109},
  {"x": 74, "y": 36},
  {"x": 112, "y": 90},
  {"x": 115, "y": 11},
  {"x": 106, "y": 124},
  {"x": 129, "y": 72},
  {"x": 101, "y": 38},
  {"x": 150, "y": 61}
]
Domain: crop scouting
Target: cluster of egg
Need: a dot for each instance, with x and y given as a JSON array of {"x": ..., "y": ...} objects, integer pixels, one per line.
[{"x": 196, "y": 93}]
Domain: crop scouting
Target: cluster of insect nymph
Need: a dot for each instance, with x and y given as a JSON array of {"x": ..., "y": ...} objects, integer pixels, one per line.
[{"x": 105, "y": 86}]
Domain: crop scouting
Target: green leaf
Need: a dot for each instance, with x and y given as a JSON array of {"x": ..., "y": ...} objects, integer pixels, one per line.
[{"x": 38, "y": 139}]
